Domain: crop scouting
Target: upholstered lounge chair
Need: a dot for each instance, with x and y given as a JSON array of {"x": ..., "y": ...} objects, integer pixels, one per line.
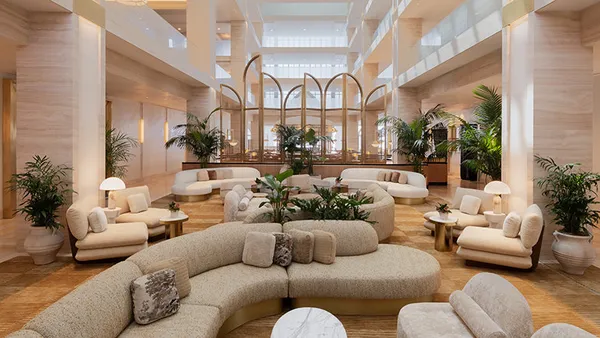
[
  {"x": 150, "y": 217},
  {"x": 464, "y": 220}
]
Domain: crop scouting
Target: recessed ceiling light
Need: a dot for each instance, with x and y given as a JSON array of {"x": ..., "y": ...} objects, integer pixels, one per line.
[
  {"x": 218, "y": 28},
  {"x": 179, "y": 28},
  {"x": 304, "y": 29}
]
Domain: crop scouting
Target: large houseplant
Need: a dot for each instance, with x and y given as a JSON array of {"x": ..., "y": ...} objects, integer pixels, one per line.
[
  {"x": 197, "y": 137},
  {"x": 571, "y": 193},
  {"x": 118, "y": 152},
  {"x": 45, "y": 188},
  {"x": 277, "y": 195},
  {"x": 330, "y": 205},
  {"x": 290, "y": 143}
]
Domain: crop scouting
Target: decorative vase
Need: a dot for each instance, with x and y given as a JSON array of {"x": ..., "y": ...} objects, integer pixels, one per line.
[
  {"x": 42, "y": 244},
  {"x": 174, "y": 214},
  {"x": 574, "y": 253},
  {"x": 443, "y": 215}
]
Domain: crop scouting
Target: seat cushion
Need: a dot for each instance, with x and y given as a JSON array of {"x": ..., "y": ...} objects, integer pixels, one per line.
[
  {"x": 426, "y": 320},
  {"x": 391, "y": 272},
  {"x": 464, "y": 220},
  {"x": 116, "y": 235},
  {"x": 151, "y": 217},
  {"x": 190, "y": 189},
  {"x": 406, "y": 190},
  {"x": 494, "y": 258},
  {"x": 492, "y": 240},
  {"x": 104, "y": 253},
  {"x": 190, "y": 321},
  {"x": 234, "y": 286}
]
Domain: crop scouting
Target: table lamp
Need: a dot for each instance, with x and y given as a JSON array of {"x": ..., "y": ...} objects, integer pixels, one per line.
[
  {"x": 497, "y": 188},
  {"x": 111, "y": 184}
]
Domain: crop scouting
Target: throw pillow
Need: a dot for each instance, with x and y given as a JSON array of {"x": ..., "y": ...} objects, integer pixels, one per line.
[
  {"x": 381, "y": 176},
  {"x": 303, "y": 244},
  {"x": 182, "y": 276},
  {"x": 283, "y": 249},
  {"x": 249, "y": 194},
  {"x": 212, "y": 175},
  {"x": 239, "y": 189},
  {"x": 474, "y": 316},
  {"x": 220, "y": 174},
  {"x": 154, "y": 296},
  {"x": 470, "y": 205},
  {"x": 388, "y": 176},
  {"x": 244, "y": 202},
  {"x": 512, "y": 225},
  {"x": 403, "y": 179},
  {"x": 202, "y": 175},
  {"x": 227, "y": 174},
  {"x": 259, "y": 248},
  {"x": 137, "y": 203},
  {"x": 97, "y": 219},
  {"x": 325, "y": 245},
  {"x": 395, "y": 176},
  {"x": 531, "y": 226}
]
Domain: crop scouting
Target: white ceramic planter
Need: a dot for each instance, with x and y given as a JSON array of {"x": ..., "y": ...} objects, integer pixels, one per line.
[
  {"x": 174, "y": 214},
  {"x": 443, "y": 215},
  {"x": 43, "y": 244},
  {"x": 574, "y": 253}
]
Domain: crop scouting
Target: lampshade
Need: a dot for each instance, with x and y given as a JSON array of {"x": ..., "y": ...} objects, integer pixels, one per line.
[
  {"x": 112, "y": 183},
  {"x": 497, "y": 188}
]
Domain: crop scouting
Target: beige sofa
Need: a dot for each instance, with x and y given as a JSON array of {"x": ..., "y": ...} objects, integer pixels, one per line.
[
  {"x": 232, "y": 212},
  {"x": 187, "y": 187},
  {"x": 464, "y": 220},
  {"x": 490, "y": 246},
  {"x": 118, "y": 240},
  {"x": 150, "y": 217},
  {"x": 226, "y": 293}
]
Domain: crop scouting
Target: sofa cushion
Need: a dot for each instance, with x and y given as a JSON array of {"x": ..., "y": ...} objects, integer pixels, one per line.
[
  {"x": 232, "y": 287},
  {"x": 182, "y": 276},
  {"x": 391, "y": 272},
  {"x": 151, "y": 217},
  {"x": 406, "y": 191},
  {"x": 116, "y": 235},
  {"x": 464, "y": 220},
  {"x": 403, "y": 179},
  {"x": 492, "y": 240},
  {"x": 352, "y": 237},
  {"x": 212, "y": 175},
  {"x": 202, "y": 175},
  {"x": 154, "y": 296},
  {"x": 191, "y": 320},
  {"x": 239, "y": 189},
  {"x": 137, "y": 203},
  {"x": 388, "y": 176},
  {"x": 283, "y": 249},
  {"x": 470, "y": 205},
  {"x": 303, "y": 244},
  {"x": 395, "y": 177},
  {"x": 487, "y": 200},
  {"x": 243, "y": 205},
  {"x": 381, "y": 176},
  {"x": 252, "y": 205},
  {"x": 511, "y": 225},
  {"x": 121, "y": 197},
  {"x": 324, "y": 250},
  {"x": 97, "y": 219},
  {"x": 473, "y": 315},
  {"x": 104, "y": 253},
  {"x": 77, "y": 220},
  {"x": 416, "y": 321},
  {"x": 494, "y": 258},
  {"x": 531, "y": 226},
  {"x": 259, "y": 249},
  {"x": 193, "y": 188}
]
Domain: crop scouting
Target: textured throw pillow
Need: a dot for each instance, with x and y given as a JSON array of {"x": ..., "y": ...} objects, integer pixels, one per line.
[
  {"x": 395, "y": 176},
  {"x": 470, "y": 205},
  {"x": 512, "y": 225},
  {"x": 137, "y": 203},
  {"x": 220, "y": 174},
  {"x": 531, "y": 226},
  {"x": 244, "y": 202},
  {"x": 227, "y": 174},
  {"x": 97, "y": 219},
  {"x": 474, "y": 316},
  {"x": 154, "y": 296},
  {"x": 388, "y": 176},
  {"x": 182, "y": 276},
  {"x": 381, "y": 176},
  {"x": 202, "y": 175},
  {"x": 249, "y": 194},
  {"x": 283, "y": 249},
  {"x": 259, "y": 248},
  {"x": 403, "y": 179},
  {"x": 303, "y": 244},
  {"x": 325, "y": 245},
  {"x": 212, "y": 175},
  {"x": 239, "y": 189}
]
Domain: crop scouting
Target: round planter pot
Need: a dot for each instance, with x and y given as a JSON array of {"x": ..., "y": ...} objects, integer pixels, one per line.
[
  {"x": 443, "y": 215},
  {"x": 174, "y": 214},
  {"x": 574, "y": 253},
  {"x": 43, "y": 245}
]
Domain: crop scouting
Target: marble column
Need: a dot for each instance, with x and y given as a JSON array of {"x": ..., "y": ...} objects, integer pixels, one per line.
[
  {"x": 407, "y": 37},
  {"x": 351, "y": 60},
  {"x": 405, "y": 105},
  {"x": 368, "y": 27},
  {"x": 239, "y": 52},
  {"x": 547, "y": 104},
  {"x": 369, "y": 80},
  {"x": 201, "y": 34},
  {"x": 201, "y": 102}
]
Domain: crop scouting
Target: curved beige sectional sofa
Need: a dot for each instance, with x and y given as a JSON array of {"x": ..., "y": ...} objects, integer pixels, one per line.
[
  {"x": 187, "y": 187},
  {"x": 367, "y": 278}
]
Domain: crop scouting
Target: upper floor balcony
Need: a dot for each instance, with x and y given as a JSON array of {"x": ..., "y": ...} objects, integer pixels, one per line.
[{"x": 304, "y": 41}]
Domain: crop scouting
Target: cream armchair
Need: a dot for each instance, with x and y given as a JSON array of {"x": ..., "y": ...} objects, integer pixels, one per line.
[
  {"x": 464, "y": 220},
  {"x": 490, "y": 246},
  {"x": 118, "y": 240},
  {"x": 150, "y": 217}
]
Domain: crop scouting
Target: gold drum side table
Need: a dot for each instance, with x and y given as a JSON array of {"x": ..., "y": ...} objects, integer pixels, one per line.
[{"x": 443, "y": 232}]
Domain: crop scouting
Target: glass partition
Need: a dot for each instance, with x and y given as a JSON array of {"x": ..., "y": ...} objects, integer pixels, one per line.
[
  {"x": 230, "y": 118},
  {"x": 375, "y": 135}
]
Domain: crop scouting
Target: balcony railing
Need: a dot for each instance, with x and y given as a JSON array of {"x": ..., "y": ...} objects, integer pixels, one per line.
[
  {"x": 296, "y": 71},
  {"x": 305, "y": 41}
]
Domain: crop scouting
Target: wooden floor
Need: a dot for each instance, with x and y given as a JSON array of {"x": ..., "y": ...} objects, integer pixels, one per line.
[{"x": 554, "y": 296}]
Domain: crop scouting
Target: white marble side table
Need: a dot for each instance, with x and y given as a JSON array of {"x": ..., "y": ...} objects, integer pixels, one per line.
[{"x": 308, "y": 322}]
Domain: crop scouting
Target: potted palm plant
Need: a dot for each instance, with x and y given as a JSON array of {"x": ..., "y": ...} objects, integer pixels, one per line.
[
  {"x": 197, "y": 137},
  {"x": 571, "y": 192},
  {"x": 277, "y": 194},
  {"x": 290, "y": 143},
  {"x": 45, "y": 188},
  {"x": 118, "y": 152}
]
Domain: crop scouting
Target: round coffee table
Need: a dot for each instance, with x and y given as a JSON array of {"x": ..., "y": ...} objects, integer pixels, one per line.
[
  {"x": 308, "y": 322},
  {"x": 443, "y": 232},
  {"x": 174, "y": 225}
]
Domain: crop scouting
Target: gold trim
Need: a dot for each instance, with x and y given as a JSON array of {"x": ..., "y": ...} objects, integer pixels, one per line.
[
  {"x": 8, "y": 105},
  {"x": 91, "y": 11},
  {"x": 515, "y": 10},
  {"x": 362, "y": 307},
  {"x": 249, "y": 313},
  {"x": 191, "y": 198},
  {"x": 409, "y": 201}
]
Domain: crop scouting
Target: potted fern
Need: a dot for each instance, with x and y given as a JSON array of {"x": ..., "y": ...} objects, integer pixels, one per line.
[
  {"x": 571, "y": 192},
  {"x": 45, "y": 188},
  {"x": 444, "y": 210}
]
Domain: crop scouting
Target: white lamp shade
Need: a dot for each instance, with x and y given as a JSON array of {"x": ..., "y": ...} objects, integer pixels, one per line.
[
  {"x": 497, "y": 188},
  {"x": 112, "y": 183}
]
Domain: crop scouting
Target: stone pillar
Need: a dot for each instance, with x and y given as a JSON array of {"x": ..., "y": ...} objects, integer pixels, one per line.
[
  {"x": 239, "y": 31},
  {"x": 368, "y": 27},
  {"x": 351, "y": 60},
  {"x": 200, "y": 103},
  {"x": 370, "y": 73},
  {"x": 547, "y": 104},
  {"x": 202, "y": 34},
  {"x": 408, "y": 33},
  {"x": 405, "y": 105}
]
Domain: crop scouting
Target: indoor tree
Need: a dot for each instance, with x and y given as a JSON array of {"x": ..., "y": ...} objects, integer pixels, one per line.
[
  {"x": 197, "y": 137},
  {"x": 290, "y": 143},
  {"x": 277, "y": 195},
  {"x": 118, "y": 152}
]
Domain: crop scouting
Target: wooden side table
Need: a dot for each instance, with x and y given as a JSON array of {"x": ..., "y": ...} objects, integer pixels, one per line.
[
  {"x": 443, "y": 232},
  {"x": 173, "y": 226}
]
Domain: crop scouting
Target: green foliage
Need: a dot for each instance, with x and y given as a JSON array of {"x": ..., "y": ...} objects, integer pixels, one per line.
[
  {"x": 443, "y": 208},
  {"x": 415, "y": 139},
  {"x": 196, "y": 137},
  {"x": 118, "y": 152},
  {"x": 277, "y": 194},
  {"x": 45, "y": 188},
  {"x": 330, "y": 205},
  {"x": 294, "y": 141},
  {"x": 571, "y": 192}
]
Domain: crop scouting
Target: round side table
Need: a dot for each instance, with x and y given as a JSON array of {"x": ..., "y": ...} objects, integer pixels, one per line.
[
  {"x": 496, "y": 220},
  {"x": 174, "y": 225},
  {"x": 340, "y": 188},
  {"x": 308, "y": 322},
  {"x": 443, "y": 232},
  {"x": 112, "y": 214}
]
